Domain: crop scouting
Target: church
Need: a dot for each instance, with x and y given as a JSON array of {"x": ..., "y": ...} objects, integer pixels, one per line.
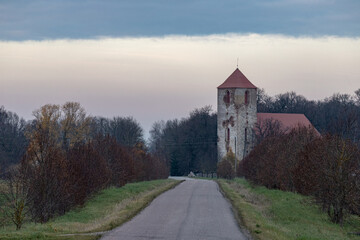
[{"x": 237, "y": 116}]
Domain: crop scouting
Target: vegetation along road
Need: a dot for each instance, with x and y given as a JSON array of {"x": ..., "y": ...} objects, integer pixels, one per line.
[{"x": 195, "y": 209}]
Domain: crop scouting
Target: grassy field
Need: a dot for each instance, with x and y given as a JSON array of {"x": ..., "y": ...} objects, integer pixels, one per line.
[
  {"x": 108, "y": 209},
  {"x": 274, "y": 214}
]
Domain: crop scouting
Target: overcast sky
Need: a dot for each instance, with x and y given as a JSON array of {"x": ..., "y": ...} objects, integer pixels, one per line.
[
  {"x": 44, "y": 19},
  {"x": 161, "y": 59}
]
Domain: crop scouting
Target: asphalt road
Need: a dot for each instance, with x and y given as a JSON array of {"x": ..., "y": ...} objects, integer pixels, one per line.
[{"x": 195, "y": 209}]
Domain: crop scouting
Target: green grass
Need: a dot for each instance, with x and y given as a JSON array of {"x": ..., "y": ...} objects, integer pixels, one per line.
[
  {"x": 275, "y": 214},
  {"x": 108, "y": 209}
]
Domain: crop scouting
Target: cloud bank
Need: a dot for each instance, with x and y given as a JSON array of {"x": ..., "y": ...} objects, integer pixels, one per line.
[{"x": 43, "y": 19}]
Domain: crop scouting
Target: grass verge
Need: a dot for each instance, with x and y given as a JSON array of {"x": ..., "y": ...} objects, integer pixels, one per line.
[
  {"x": 274, "y": 214},
  {"x": 106, "y": 210}
]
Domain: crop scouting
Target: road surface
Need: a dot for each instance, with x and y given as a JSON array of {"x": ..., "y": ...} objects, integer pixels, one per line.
[{"x": 195, "y": 209}]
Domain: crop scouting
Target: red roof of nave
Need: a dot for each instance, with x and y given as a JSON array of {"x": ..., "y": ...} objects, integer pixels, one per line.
[
  {"x": 237, "y": 80},
  {"x": 288, "y": 120}
]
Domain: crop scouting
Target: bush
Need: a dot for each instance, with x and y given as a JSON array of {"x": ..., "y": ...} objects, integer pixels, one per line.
[
  {"x": 329, "y": 169},
  {"x": 87, "y": 173},
  {"x": 225, "y": 168},
  {"x": 45, "y": 171},
  {"x": 272, "y": 162}
]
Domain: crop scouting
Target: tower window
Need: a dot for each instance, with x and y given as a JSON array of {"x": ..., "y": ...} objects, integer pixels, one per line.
[
  {"x": 228, "y": 134},
  {"x": 246, "y": 97},
  {"x": 227, "y": 97},
  {"x": 245, "y": 135}
]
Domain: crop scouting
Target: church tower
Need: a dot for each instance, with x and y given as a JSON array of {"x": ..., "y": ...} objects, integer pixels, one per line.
[{"x": 236, "y": 115}]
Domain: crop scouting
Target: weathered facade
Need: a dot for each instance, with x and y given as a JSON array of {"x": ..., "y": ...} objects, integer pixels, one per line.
[{"x": 236, "y": 115}]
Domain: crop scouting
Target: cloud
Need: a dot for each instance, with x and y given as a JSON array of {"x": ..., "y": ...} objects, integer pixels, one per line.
[{"x": 39, "y": 19}]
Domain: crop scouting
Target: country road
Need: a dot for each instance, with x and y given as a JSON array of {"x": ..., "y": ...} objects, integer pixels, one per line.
[{"x": 195, "y": 209}]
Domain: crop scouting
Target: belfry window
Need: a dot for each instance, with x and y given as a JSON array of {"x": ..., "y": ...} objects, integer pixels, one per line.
[
  {"x": 227, "y": 97},
  {"x": 245, "y": 135},
  {"x": 246, "y": 97}
]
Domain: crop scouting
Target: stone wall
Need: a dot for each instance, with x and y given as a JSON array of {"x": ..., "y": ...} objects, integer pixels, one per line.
[{"x": 234, "y": 116}]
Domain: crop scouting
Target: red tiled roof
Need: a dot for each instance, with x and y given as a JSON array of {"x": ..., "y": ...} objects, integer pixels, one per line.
[
  {"x": 288, "y": 120},
  {"x": 237, "y": 80}
]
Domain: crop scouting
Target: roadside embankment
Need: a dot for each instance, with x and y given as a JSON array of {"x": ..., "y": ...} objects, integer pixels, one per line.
[
  {"x": 104, "y": 211},
  {"x": 274, "y": 214}
]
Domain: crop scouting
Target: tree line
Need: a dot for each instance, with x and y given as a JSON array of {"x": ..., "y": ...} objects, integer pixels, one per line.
[
  {"x": 68, "y": 157},
  {"x": 337, "y": 115},
  {"x": 77, "y": 144},
  {"x": 326, "y": 167},
  {"x": 189, "y": 144}
]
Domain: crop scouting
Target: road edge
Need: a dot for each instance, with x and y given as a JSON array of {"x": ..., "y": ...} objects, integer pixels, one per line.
[
  {"x": 97, "y": 233},
  {"x": 237, "y": 215}
]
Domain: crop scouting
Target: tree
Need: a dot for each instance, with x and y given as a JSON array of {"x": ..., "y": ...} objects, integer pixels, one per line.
[
  {"x": 268, "y": 128},
  {"x": 357, "y": 97},
  {"x": 272, "y": 162},
  {"x": 264, "y": 101},
  {"x": 45, "y": 166},
  {"x": 118, "y": 159},
  {"x": 66, "y": 161},
  {"x": 12, "y": 139},
  {"x": 329, "y": 169},
  {"x": 87, "y": 173},
  {"x": 99, "y": 126},
  {"x": 342, "y": 116},
  {"x": 188, "y": 144},
  {"x": 75, "y": 125},
  {"x": 156, "y": 141},
  {"x": 127, "y": 131},
  {"x": 15, "y": 196}
]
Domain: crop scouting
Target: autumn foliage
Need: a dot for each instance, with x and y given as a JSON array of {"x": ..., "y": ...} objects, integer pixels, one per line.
[
  {"x": 272, "y": 162},
  {"x": 327, "y": 168},
  {"x": 226, "y": 167},
  {"x": 64, "y": 165}
]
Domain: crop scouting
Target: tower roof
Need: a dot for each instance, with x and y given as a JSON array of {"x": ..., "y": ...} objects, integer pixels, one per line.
[{"x": 237, "y": 80}]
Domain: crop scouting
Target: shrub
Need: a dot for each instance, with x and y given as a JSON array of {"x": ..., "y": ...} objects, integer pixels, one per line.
[
  {"x": 329, "y": 169},
  {"x": 87, "y": 173},
  {"x": 225, "y": 168},
  {"x": 272, "y": 162}
]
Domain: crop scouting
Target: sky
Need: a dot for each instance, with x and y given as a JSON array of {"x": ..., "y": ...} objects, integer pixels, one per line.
[{"x": 159, "y": 60}]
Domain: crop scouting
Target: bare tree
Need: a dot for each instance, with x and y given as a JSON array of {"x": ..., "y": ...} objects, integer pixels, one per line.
[
  {"x": 12, "y": 139},
  {"x": 75, "y": 125},
  {"x": 357, "y": 97},
  {"x": 329, "y": 169},
  {"x": 127, "y": 131},
  {"x": 15, "y": 196},
  {"x": 268, "y": 128},
  {"x": 45, "y": 165}
]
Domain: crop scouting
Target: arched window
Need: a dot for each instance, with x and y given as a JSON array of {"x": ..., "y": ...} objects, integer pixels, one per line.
[
  {"x": 246, "y": 97},
  {"x": 228, "y": 134},
  {"x": 227, "y": 97},
  {"x": 245, "y": 135}
]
